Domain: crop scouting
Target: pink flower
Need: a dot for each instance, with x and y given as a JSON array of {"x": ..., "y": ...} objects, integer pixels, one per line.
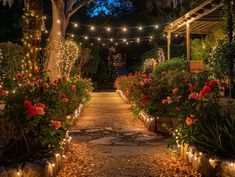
[
  {"x": 40, "y": 111},
  {"x": 41, "y": 105},
  {"x": 169, "y": 100},
  {"x": 57, "y": 124},
  {"x": 164, "y": 101},
  {"x": 177, "y": 108},
  {"x": 175, "y": 91},
  {"x": 193, "y": 95},
  {"x": 46, "y": 85},
  {"x": 73, "y": 88},
  {"x": 191, "y": 88},
  {"x": 65, "y": 100},
  {"x": 141, "y": 83},
  {"x": 5, "y": 93}
]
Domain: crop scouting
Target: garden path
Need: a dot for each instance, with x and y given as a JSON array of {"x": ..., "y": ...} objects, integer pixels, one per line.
[{"x": 108, "y": 141}]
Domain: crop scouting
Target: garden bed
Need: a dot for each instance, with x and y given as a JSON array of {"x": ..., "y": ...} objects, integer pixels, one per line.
[
  {"x": 206, "y": 164},
  {"x": 156, "y": 124},
  {"x": 46, "y": 167}
]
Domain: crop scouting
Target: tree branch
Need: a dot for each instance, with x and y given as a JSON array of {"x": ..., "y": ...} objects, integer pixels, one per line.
[{"x": 77, "y": 7}]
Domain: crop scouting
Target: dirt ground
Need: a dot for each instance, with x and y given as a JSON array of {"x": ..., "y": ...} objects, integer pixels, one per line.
[{"x": 109, "y": 142}]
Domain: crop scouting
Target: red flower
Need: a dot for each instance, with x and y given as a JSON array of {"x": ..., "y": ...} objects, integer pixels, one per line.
[
  {"x": 41, "y": 105},
  {"x": 27, "y": 104},
  {"x": 65, "y": 100},
  {"x": 141, "y": 83},
  {"x": 169, "y": 100},
  {"x": 224, "y": 84},
  {"x": 177, "y": 108},
  {"x": 40, "y": 111},
  {"x": 175, "y": 91},
  {"x": 73, "y": 88},
  {"x": 193, "y": 95},
  {"x": 32, "y": 111},
  {"x": 56, "y": 124},
  {"x": 204, "y": 91},
  {"x": 189, "y": 121},
  {"x": 164, "y": 101},
  {"x": 213, "y": 83},
  {"x": 19, "y": 76},
  {"x": 5, "y": 93},
  {"x": 191, "y": 88},
  {"x": 46, "y": 85}
]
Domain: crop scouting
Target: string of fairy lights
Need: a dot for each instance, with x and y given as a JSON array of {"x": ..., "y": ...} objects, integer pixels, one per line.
[{"x": 109, "y": 30}]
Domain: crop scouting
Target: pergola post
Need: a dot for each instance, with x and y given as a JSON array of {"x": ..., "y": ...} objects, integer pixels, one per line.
[
  {"x": 168, "y": 46},
  {"x": 188, "y": 45}
]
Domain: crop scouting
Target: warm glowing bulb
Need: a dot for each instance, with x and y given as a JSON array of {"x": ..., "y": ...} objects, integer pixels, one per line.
[
  {"x": 72, "y": 35},
  {"x": 111, "y": 39},
  {"x": 140, "y": 28},
  {"x": 53, "y": 165},
  {"x": 75, "y": 25},
  {"x": 58, "y": 21},
  {"x": 124, "y": 40},
  {"x": 124, "y": 29},
  {"x": 86, "y": 37},
  {"x": 138, "y": 40},
  {"x": 99, "y": 39},
  {"x": 156, "y": 26},
  {"x": 92, "y": 28},
  {"x": 108, "y": 29}
]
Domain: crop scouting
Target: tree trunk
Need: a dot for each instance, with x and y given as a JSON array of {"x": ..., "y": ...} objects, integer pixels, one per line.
[
  {"x": 32, "y": 27},
  {"x": 57, "y": 33}
]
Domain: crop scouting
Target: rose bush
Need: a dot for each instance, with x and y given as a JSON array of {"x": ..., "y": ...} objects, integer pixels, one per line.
[{"x": 40, "y": 110}]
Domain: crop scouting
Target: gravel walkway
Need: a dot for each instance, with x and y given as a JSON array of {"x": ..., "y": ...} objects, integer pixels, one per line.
[{"x": 109, "y": 142}]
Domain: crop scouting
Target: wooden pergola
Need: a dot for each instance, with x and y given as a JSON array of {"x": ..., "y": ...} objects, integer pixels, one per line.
[{"x": 202, "y": 20}]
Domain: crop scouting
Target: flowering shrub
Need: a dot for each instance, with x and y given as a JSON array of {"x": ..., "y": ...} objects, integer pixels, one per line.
[
  {"x": 143, "y": 92},
  {"x": 39, "y": 108}
]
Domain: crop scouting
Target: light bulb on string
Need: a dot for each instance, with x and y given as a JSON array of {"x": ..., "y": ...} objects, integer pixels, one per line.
[
  {"x": 58, "y": 21},
  {"x": 156, "y": 26},
  {"x": 140, "y": 28},
  {"x": 116, "y": 44},
  {"x": 72, "y": 35},
  {"x": 124, "y": 29},
  {"x": 111, "y": 39},
  {"x": 103, "y": 44},
  {"x": 108, "y": 29},
  {"x": 75, "y": 25},
  {"x": 86, "y": 37},
  {"x": 92, "y": 28},
  {"x": 99, "y": 39},
  {"x": 138, "y": 40},
  {"x": 124, "y": 40}
]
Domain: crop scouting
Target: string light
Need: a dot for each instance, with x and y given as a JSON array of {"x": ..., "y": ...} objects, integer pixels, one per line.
[
  {"x": 58, "y": 21},
  {"x": 75, "y": 25},
  {"x": 156, "y": 26},
  {"x": 124, "y": 29},
  {"x": 138, "y": 40},
  {"x": 99, "y": 39},
  {"x": 92, "y": 28},
  {"x": 108, "y": 29},
  {"x": 124, "y": 40},
  {"x": 140, "y": 28},
  {"x": 86, "y": 37}
]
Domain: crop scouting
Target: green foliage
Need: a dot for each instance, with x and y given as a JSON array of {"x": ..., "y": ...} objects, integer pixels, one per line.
[
  {"x": 200, "y": 48},
  {"x": 40, "y": 110},
  {"x": 11, "y": 62},
  {"x": 176, "y": 64}
]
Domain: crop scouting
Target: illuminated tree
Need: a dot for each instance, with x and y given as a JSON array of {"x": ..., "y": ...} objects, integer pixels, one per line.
[
  {"x": 62, "y": 10},
  {"x": 69, "y": 51}
]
